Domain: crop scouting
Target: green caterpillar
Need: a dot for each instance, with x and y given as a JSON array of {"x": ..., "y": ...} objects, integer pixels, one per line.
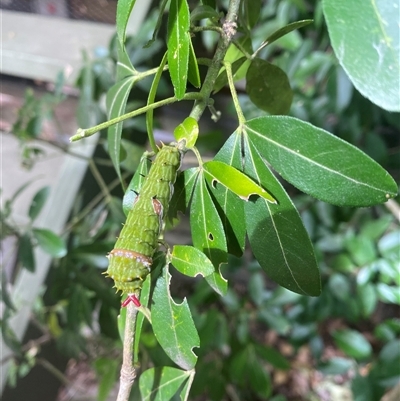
[{"x": 131, "y": 259}]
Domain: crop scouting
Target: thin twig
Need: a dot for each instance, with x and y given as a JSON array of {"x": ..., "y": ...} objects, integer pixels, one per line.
[
  {"x": 85, "y": 133},
  {"x": 394, "y": 208},
  {"x": 53, "y": 370},
  {"x": 91, "y": 205}
]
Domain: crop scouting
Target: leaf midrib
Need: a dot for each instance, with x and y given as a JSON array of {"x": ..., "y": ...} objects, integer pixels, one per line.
[
  {"x": 273, "y": 221},
  {"x": 313, "y": 162}
]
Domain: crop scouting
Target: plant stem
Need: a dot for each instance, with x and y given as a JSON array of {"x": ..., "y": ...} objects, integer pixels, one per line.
[
  {"x": 53, "y": 370},
  {"x": 242, "y": 49},
  {"x": 84, "y": 133},
  {"x": 207, "y": 28},
  {"x": 100, "y": 181},
  {"x": 239, "y": 112},
  {"x": 128, "y": 371},
  {"x": 228, "y": 31}
]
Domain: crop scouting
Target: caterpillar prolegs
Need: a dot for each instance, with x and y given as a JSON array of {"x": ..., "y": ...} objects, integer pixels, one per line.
[{"x": 131, "y": 259}]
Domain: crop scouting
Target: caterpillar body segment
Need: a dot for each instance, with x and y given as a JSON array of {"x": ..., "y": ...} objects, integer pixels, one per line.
[{"x": 130, "y": 260}]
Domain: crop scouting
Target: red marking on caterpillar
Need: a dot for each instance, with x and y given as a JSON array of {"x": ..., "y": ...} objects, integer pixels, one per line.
[
  {"x": 126, "y": 253},
  {"x": 131, "y": 298}
]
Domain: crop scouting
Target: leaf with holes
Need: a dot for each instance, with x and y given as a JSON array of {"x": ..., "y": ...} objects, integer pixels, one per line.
[
  {"x": 276, "y": 232},
  {"x": 230, "y": 207},
  {"x": 235, "y": 181},
  {"x": 208, "y": 232},
  {"x": 173, "y": 325},
  {"x": 183, "y": 191},
  {"x": 190, "y": 261}
]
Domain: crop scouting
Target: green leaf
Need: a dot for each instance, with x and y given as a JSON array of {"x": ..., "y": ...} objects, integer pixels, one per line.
[
  {"x": 106, "y": 371},
  {"x": 235, "y": 181},
  {"x": 124, "y": 64},
  {"x": 259, "y": 379},
  {"x": 389, "y": 244},
  {"x": 268, "y": 87},
  {"x": 193, "y": 71},
  {"x": 234, "y": 53},
  {"x": 239, "y": 62},
  {"x": 188, "y": 131},
  {"x": 353, "y": 343},
  {"x": 136, "y": 183},
  {"x": 339, "y": 285},
  {"x": 231, "y": 207},
  {"x": 284, "y": 31},
  {"x": 203, "y": 12},
  {"x": 183, "y": 189},
  {"x": 238, "y": 367},
  {"x": 319, "y": 163},
  {"x": 276, "y": 233},
  {"x": 173, "y": 325},
  {"x": 374, "y": 229},
  {"x": 208, "y": 232},
  {"x": 124, "y": 9},
  {"x": 132, "y": 153},
  {"x": 190, "y": 261},
  {"x": 50, "y": 242},
  {"x": 388, "y": 294},
  {"x": 79, "y": 308},
  {"x": 362, "y": 249},
  {"x": 336, "y": 366},
  {"x": 9, "y": 337},
  {"x": 251, "y": 12},
  {"x": 210, "y": 3},
  {"x": 38, "y": 202},
  {"x": 25, "y": 253},
  {"x": 116, "y": 100},
  {"x": 367, "y": 298},
  {"x": 365, "y": 38},
  {"x": 161, "y": 384},
  {"x": 272, "y": 356},
  {"x": 160, "y": 12},
  {"x": 246, "y": 371},
  {"x": 87, "y": 108},
  {"x": 178, "y": 45},
  {"x": 5, "y": 294}
]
